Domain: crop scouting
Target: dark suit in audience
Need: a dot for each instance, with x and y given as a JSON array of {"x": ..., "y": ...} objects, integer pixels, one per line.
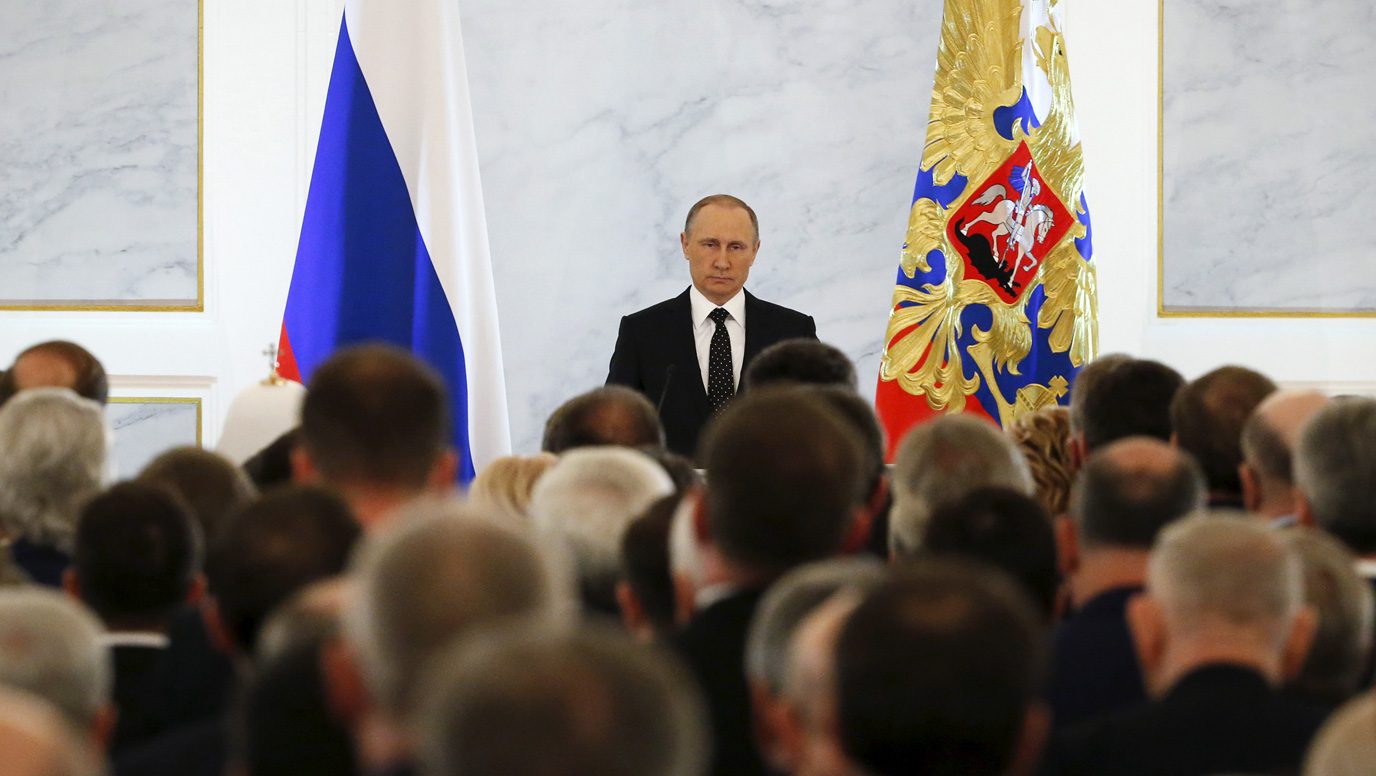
[{"x": 1094, "y": 665}]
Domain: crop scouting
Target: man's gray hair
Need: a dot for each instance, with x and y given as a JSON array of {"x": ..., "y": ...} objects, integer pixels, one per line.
[
  {"x": 50, "y": 647},
  {"x": 1333, "y": 669},
  {"x": 449, "y": 568},
  {"x": 940, "y": 462},
  {"x": 1207, "y": 569},
  {"x": 535, "y": 700},
  {"x": 1335, "y": 467},
  {"x": 55, "y": 445},
  {"x": 789, "y": 601},
  {"x": 586, "y": 501}
]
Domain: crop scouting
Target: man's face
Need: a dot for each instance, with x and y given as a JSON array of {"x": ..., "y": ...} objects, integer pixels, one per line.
[{"x": 720, "y": 249}]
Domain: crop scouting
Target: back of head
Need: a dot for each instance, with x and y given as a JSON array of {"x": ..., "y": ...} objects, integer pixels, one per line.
[
  {"x": 1345, "y": 746},
  {"x": 1131, "y": 399},
  {"x": 859, "y": 415},
  {"x": 789, "y": 601},
  {"x": 800, "y": 361},
  {"x": 941, "y": 461},
  {"x": 1231, "y": 572},
  {"x": 645, "y": 564},
  {"x": 1085, "y": 381},
  {"x": 1044, "y": 439},
  {"x": 507, "y": 482},
  {"x": 586, "y": 501},
  {"x": 1207, "y": 416},
  {"x": 1005, "y": 529},
  {"x": 1132, "y": 489},
  {"x": 1271, "y": 434},
  {"x": 610, "y": 415},
  {"x": 50, "y": 647},
  {"x": 137, "y": 553},
  {"x": 936, "y": 672},
  {"x": 276, "y": 546},
  {"x": 534, "y": 703},
  {"x": 207, "y": 482},
  {"x": 54, "y": 445},
  {"x": 783, "y": 480},
  {"x": 1335, "y": 467},
  {"x": 1341, "y": 650},
  {"x": 284, "y": 722},
  {"x": 56, "y": 364},
  {"x": 446, "y": 571},
  {"x": 36, "y": 741},
  {"x": 375, "y": 415}
]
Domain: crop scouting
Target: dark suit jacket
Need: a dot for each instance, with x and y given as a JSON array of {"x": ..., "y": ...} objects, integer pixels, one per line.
[
  {"x": 1217, "y": 719},
  {"x": 1094, "y": 667},
  {"x": 655, "y": 355},
  {"x": 713, "y": 647}
]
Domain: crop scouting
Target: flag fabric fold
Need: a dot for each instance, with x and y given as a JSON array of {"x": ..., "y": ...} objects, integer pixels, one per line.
[
  {"x": 995, "y": 308},
  {"x": 394, "y": 242}
]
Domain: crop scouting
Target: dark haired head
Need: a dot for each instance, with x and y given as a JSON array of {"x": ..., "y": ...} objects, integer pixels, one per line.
[
  {"x": 376, "y": 415},
  {"x": 1131, "y": 489},
  {"x": 610, "y": 415},
  {"x": 136, "y": 556},
  {"x": 1207, "y": 416},
  {"x": 1132, "y": 399},
  {"x": 805, "y": 361},
  {"x": 645, "y": 563},
  {"x": 207, "y": 482}
]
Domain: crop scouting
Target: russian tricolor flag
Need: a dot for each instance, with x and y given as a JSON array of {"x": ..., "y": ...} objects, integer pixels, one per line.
[{"x": 394, "y": 240}]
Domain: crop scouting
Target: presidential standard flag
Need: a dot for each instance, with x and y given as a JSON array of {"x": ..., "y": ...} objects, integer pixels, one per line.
[
  {"x": 394, "y": 240},
  {"x": 996, "y": 306}
]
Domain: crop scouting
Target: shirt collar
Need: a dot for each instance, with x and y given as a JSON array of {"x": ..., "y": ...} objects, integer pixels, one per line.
[
  {"x": 134, "y": 639},
  {"x": 702, "y": 307}
]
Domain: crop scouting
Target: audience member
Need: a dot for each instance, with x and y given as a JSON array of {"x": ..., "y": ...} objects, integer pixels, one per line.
[
  {"x": 531, "y": 702},
  {"x": 859, "y": 414},
  {"x": 1127, "y": 493},
  {"x": 1345, "y": 745},
  {"x": 938, "y": 672},
  {"x": 207, "y": 482},
  {"x": 1335, "y": 466},
  {"x": 784, "y": 487},
  {"x": 1222, "y": 625},
  {"x": 679, "y": 468},
  {"x": 507, "y": 482},
  {"x": 1207, "y": 416},
  {"x": 375, "y": 426},
  {"x": 50, "y": 647},
  {"x": 1342, "y": 601},
  {"x": 1044, "y": 439},
  {"x": 54, "y": 445},
  {"x": 137, "y": 561},
  {"x": 800, "y": 362},
  {"x": 271, "y": 466},
  {"x": 448, "y": 570},
  {"x": 1132, "y": 398},
  {"x": 645, "y": 592},
  {"x": 610, "y": 415},
  {"x": 56, "y": 364},
  {"x": 1085, "y": 380},
  {"x": 810, "y": 691},
  {"x": 312, "y": 614},
  {"x": 941, "y": 461},
  {"x": 36, "y": 741},
  {"x": 1006, "y": 530},
  {"x": 782, "y": 707},
  {"x": 1269, "y": 439},
  {"x": 585, "y": 502}
]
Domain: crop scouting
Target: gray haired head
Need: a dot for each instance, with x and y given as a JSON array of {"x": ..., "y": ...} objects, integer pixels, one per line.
[
  {"x": 50, "y": 647},
  {"x": 1335, "y": 467}
]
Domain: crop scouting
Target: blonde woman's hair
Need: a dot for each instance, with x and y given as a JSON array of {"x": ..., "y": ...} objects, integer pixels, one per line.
[{"x": 1043, "y": 437}]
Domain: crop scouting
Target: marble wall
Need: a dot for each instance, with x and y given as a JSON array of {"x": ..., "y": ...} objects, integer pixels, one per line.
[
  {"x": 600, "y": 122},
  {"x": 98, "y": 138},
  {"x": 144, "y": 429},
  {"x": 1269, "y": 144}
]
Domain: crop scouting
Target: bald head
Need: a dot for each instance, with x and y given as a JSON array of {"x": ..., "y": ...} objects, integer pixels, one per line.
[
  {"x": 1131, "y": 489},
  {"x": 1269, "y": 439},
  {"x": 56, "y": 364}
]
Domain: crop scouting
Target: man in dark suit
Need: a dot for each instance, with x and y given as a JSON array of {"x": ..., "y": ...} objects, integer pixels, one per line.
[
  {"x": 786, "y": 486},
  {"x": 687, "y": 354},
  {"x": 1223, "y": 623}
]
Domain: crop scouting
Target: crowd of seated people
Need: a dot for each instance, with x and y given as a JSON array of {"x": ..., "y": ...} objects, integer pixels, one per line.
[{"x": 1162, "y": 577}]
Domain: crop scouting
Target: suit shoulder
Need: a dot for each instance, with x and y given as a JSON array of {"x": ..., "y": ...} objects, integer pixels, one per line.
[
  {"x": 784, "y": 317},
  {"x": 655, "y": 312}
]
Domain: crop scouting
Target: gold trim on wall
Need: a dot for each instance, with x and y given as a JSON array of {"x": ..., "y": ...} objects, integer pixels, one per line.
[
  {"x": 198, "y": 306},
  {"x": 1204, "y": 312},
  {"x": 200, "y": 409}
]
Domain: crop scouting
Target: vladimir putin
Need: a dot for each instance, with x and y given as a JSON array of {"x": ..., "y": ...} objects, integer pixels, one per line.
[{"x": 687, "y": 353}]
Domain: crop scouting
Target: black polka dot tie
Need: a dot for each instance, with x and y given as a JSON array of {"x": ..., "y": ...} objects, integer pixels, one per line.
[{"x": 721, "y": 383}]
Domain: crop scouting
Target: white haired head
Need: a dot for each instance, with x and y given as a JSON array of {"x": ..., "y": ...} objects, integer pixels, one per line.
[{"x": 50, "y": 647}]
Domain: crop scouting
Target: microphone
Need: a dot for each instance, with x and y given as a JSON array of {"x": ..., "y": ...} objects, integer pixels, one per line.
[{"x": 668, "y": 375}]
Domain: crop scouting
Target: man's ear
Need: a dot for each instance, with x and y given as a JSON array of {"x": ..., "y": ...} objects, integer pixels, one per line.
[
  {"x": 1304, "y": 511},
  {"x": 70, "y": 585},
  {"x": 216, "y": 627},
  {"x": 1067, "y": 545},
  {"x": 1147, "y": 624},
  {"x": 195, "y": 592},
  {"x": 1251, "y": 487},
  {"x": 1078, "y": 451},
  {"x": 1298, "y": 642},
  {"x": 702, "y": 527},
  {"x": 1031, "y": 742},
  {"x": 632, "y": 613},
  {"x": 777, "y": 731},
  {"x": 444, "y": 471},
  {"x": 303, "y": 469},
  {"x": 103, "y": 727},
  {"x": 858, "y": 533},
  {"x": 683, "y": 243},
  {"x": 345, "y": 694}
]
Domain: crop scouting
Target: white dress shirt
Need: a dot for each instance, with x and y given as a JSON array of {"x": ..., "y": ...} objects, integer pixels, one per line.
[{"x": 704, "y": 328}]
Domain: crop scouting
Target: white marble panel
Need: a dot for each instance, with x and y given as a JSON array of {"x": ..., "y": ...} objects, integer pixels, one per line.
[
  {"x": 600, "y": 122},
  {"x": 1269, "y": 144},
  {"x": 143, "y": 430},
  {"x": 98, "y": 146}
]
